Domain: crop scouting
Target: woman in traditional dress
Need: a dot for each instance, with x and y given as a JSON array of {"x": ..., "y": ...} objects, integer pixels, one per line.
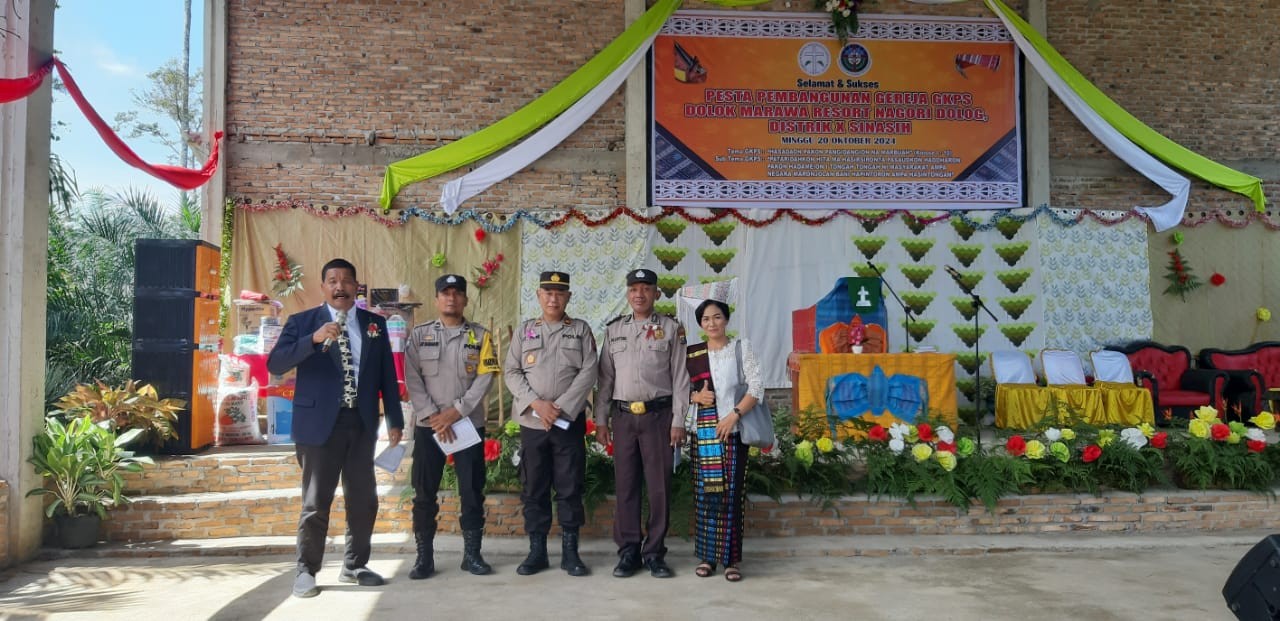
[{"x": 724, "y": 378}]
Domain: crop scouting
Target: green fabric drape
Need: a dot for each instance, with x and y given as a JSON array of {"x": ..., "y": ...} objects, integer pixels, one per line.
[
  {"x": 532, "y": 116},
  {"x": 1148, "y": 139}
]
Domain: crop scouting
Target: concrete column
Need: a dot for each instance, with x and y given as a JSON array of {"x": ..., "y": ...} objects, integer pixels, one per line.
[
  {"x": 637, "y": 136},
  {"x": 1036, "y": 120},
  {"x": 213, "y": 196},
  {"x": 24, "y": 242}
]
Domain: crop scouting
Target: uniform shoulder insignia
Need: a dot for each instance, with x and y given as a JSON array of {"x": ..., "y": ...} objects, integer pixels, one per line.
[{"x": 615, "y": 320}]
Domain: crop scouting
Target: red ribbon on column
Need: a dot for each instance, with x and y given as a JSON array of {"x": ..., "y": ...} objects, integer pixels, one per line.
[
  {"x": 182, "y": 178},
  {"x": 13, "y": 89}
]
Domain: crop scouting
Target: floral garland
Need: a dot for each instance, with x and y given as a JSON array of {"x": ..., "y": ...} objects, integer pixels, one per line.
[
  {"x": 493, "y": 222},
  {"x": 224, "y": 265}
]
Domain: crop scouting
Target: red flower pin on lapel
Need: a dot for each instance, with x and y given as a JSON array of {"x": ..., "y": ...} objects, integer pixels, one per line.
[{"x": 373, "y": 331}]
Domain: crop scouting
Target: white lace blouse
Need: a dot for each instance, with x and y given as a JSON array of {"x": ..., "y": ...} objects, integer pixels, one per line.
[{"x": 724, "y": 375}]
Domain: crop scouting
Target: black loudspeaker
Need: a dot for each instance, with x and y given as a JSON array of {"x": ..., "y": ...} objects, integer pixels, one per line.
[{"x": 1252, "y": 590}]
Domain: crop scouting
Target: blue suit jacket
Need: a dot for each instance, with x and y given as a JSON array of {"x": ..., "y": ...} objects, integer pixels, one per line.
[{"x": 318, "y": 395}]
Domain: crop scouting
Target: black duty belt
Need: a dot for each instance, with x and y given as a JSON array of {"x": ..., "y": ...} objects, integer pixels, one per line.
[{"x": 640, "y": 408}]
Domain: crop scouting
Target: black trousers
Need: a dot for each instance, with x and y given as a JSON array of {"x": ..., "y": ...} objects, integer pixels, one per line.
[
  {"x": 347, "y": 455},
  {"x": 428, "y": 469},
  {"x": 556, "y": 458},
  {"x": 642, "y": 453}
]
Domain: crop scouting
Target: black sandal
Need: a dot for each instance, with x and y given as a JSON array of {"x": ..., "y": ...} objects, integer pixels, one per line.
[
  {"x": 732, "y": 574},
  {"x": 704, "y": 569}
]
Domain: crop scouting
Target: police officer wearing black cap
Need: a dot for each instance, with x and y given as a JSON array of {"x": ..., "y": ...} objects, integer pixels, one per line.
[
  {"x": 551, "y": 368},
  {"x": 642, "y": 365},
  {"x": 447, "y": 377}
]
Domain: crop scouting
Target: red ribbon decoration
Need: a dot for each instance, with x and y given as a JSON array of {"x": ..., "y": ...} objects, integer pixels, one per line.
[
  {"x": 13, "y": 89},
  {"x": 181, "y": 178}
]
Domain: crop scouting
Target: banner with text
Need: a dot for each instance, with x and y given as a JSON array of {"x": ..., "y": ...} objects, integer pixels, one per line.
[{"x": 770, "y": 110}]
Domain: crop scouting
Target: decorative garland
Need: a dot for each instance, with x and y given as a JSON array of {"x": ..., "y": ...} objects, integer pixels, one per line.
[
  {"x": 286, "y": 279},
  {"x": 495, "y": 222},
  {"x": 224, "y": 264}
]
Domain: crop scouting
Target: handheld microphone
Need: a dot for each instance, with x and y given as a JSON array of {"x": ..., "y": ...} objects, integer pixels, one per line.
[{"x": 342, "y": 325}]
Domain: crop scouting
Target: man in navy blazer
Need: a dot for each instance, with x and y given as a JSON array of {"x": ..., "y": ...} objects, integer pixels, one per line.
[{"x": 343, "y": 369}]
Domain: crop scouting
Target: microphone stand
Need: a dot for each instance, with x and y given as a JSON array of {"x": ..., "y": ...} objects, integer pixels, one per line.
[
  {"x": 906, "y": 310},
  {"x": 977, "y": 337}
]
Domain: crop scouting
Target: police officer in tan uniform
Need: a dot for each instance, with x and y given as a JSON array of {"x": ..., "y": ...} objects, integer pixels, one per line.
[
  {"x": 447, "y": 382},
  {"x": 551, "y": 368},
  {"x": 642, "y": 364}
]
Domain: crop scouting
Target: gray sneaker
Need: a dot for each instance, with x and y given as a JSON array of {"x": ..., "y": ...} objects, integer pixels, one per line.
[
  {"x": 305, "y": 586},
  {"x": 362, "y": 576}
]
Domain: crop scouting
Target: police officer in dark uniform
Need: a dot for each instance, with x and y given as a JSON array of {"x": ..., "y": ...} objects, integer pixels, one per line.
[
  {"x": 551, "y": 368},
  {"x": 642, "y": 365},
  {"x": 447, "y": 381}
]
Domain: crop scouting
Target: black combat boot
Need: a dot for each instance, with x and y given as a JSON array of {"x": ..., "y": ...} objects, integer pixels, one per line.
[
  {"x": 537, "y": 559},
  {"x": 569, "y": 559},
  {"x": 426, "y": 563},
  {"x": 471, "y": 559}
]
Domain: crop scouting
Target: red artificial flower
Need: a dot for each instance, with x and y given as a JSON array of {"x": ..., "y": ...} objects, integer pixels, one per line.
[
  {"x": 1219, "y": 431},
  {"x": 500, "y": 258},
  {"x": 480, "y": 235},
  {"x": 608, "y": 449},
  {"x": 763, "y": 450},
  {"x": 1256, "y": 446},
  {"x": 878, "y": 434},
  {"x": 492, "y": 450},
  {"x": 1016, "y": 446},
  {"x": 1217, "y": 279},
  {"x": 1160, "y": 440},
  {"x": 947, "y": 447},
  {"x": 449, "y": 459},
  {"x": 591, "y": 427},
  {"x": 1092, "y": 453},
  {"x": 482, "y": 281},
  {"x": 925, "y": 431}
]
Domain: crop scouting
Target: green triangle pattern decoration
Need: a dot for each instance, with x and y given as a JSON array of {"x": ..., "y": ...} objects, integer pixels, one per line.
[
  {"x": 916, "y": 248},
  {"x": 917, "y": 274},
  {"x": 1012, "y": 252},
  {"x": 670, "y": 284},
  {"x": 966, "y": 254},
  {"x": 670, "y": 228},
  {"x": 869, "y": 245},
  {"x": 718, "y": 259},
  {"x": 669, "y": 256},
  {"x": 719, "y": 231},
  {"x": 1016, "y": 305}
]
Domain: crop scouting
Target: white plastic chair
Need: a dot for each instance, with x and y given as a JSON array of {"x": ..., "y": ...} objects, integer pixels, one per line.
[
  {"x": 1062, "y": 367},
  {"x": 1111, "y": 366},
  {"x": 1012, "y": 367}
]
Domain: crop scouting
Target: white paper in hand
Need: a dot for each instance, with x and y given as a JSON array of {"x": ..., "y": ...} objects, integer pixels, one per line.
[
  {"x": 465, "y": 436},
  {"x": 389, "y": 459}
]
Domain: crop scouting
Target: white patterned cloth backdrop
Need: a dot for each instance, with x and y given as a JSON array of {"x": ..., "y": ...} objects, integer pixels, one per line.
[
  {"x": 596, "y": 260},
  {"x": 788, "y": 266},
  {"x": 1096, "y": 284}
]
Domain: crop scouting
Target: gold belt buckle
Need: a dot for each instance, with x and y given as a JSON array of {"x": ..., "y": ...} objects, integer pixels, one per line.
[{"x": 637, "y": 408}]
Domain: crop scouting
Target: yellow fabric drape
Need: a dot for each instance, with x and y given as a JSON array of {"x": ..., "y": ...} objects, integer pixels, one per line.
[
  {"x": 385, "y": 257},
  {"x": 810, "y": 385},
  {"x": 1021, "y": 406}
]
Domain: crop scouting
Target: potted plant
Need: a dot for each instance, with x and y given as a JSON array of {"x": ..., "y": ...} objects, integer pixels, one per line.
[
  {"x": 82, "y": 465},
  {"x": 129, "y": 407}
]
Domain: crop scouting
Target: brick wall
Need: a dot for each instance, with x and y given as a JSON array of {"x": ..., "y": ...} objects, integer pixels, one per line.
[
  {"x": 256, "y": 494},
  {"x": 1158, "y": 511},
  {"x": 4, "y": 523}
]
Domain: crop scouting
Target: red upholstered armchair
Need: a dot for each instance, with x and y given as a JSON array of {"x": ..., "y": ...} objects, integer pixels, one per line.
[
  {"x": 1166, "y": 371},
  {"x": 1251, "y": 372}
]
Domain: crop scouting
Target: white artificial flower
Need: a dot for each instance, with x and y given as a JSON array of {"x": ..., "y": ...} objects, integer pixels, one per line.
[
  {"x": 1255, "y": 434},
  {"x": 896, "y": 445},
  {"x": 1053, "y": 434},
  {"x": 945, "y": 434},
  {"x": 898, "y": 431},
  {"x": 831, "y": 5},
  {"x": 515, "y": 459},
  {"x": 1134, "y": 437},
  {"x": 845, "y": 12}
]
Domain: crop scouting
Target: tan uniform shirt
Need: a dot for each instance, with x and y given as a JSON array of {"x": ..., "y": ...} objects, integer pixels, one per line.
[
  {"x": 440, "y": 370},
  {"x": 555, "y": 362},
  {"x": 641, "y": 361}
]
